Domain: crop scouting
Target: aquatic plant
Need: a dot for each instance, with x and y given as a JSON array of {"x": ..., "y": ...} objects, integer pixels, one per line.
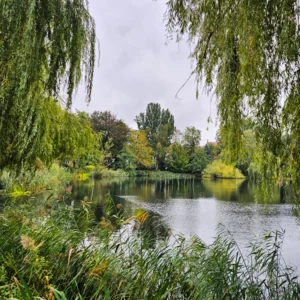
[{"x": 64, "y": 253}]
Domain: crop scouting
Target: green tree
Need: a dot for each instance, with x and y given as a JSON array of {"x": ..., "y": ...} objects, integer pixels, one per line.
[
  {"x": 113, "y": 130},
  {"x": 246, "y": 156},
  {"x": 177, "y": 159},
  {"x": 218, "y": 169},
  {"x": 137, "y": 147},
  {"x": 198, "y": 161},
  {"x": 86, "y": 150},
  {"x": 248, "y": 51},
  {"x": 212, "y": 150},
  {"x": 127, "y": 161},
  {"x": 43, "y": 44},
  {"x": 158, "y": 125},
  {"x": 191, "y": 139},
  {"x": 66, "y": 136}
]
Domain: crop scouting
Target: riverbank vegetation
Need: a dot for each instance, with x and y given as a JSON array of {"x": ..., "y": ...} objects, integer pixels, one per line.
[
  {"x": 54, "y": 250},
  {"x": 218, "y": 169},
  {"x": 248, "y": 55},
  {"x": 156, "y": 147}
]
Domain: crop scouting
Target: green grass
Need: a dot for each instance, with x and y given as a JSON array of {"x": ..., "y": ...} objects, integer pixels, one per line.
[
  {"x": 162, "y": 175},
  {"x": 28, "y": 184},
  {"x": 61, "y": 252},
  {"x": 110, "y": 173}
]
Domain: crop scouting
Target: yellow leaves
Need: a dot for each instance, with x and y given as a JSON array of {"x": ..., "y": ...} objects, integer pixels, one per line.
[
  {"x": 19, "y": 193},
  {"x": 96, "y": 272},
  {"x": 69, "y": 257},
  {"x": 218, "y": 169},
  {"x": 81, "y": 176},
  {"x": 138, "y": 145},
  {"x": 49, "y": 295},
  {"x": 141, "y": 216},
  {"x": 28, "y": 243},
  {"x": 39, "y": 164},
  {"x": 17, "y": 282},
  {"x": 106, "y": 224},
  {"x": 84, "y": 203}
]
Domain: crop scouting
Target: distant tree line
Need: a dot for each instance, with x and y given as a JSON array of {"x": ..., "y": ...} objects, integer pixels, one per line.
[{"x": 156, "y": 145}]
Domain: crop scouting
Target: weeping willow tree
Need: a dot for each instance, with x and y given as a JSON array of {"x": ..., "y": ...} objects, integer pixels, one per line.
[
  {"x": 248, "y": 53},
  {"x": 46, "y": 47},
  {"x": 67, "y": 136}
]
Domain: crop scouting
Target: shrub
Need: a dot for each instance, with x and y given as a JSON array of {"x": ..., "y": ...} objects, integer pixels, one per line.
[
  {"x": 162, "y": 174},
  {"x": 110, "y": 173},
  {"x": 218, "y": 169},
  {"x": 27, "y": 183},
  {"x": 89, "y": 168}
]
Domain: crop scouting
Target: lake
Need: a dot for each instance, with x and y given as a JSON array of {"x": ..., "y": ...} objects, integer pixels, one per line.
[{"x": 196, "y": 207}]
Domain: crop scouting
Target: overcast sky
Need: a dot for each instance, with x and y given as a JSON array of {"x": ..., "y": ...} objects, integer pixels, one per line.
[{"x": 137, "y": 67}]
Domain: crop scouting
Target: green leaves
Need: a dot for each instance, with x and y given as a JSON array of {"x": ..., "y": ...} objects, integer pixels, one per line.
[
  {"x": 248, "y": 52},
  {"x": 159, "y": 127},
  {"x": 44, "y": 45},
  {"x": 177, "y": 159},
  {"x": 157, "y": 123},
  {"x": 114, "y": 132},
  {"x": 67, "y": 254}
]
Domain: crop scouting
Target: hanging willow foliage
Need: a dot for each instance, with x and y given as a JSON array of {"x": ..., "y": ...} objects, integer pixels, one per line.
[
  {"x": 66, "y": 136},
  {"x": 248, "y": 51},
  {"x": 45, "y": 45}
]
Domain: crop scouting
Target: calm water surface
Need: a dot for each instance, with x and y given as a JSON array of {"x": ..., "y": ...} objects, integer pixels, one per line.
[{"x": 196, "y": 207}]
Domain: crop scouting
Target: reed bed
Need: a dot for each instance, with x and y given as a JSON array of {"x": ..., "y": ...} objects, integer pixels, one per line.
[{"x": 61, "y": 252}]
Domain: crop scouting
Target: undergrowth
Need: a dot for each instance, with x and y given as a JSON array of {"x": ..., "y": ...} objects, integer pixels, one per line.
[
  {"x": 28, "y": 183},
  {"x": 162, "y": 175},
  {"x": 62, "y": 252},
  {"x": 110, "y": 173}
]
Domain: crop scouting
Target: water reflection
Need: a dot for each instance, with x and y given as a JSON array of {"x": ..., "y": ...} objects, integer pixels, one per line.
[
  {"x": 196, "y": 207},
  {"x": 240, "y": 190}
]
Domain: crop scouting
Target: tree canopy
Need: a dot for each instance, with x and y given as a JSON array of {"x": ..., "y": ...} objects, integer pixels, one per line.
[
  {"x": 158, "y": 124},
  {"x": 191, "y": 138},
  {"x": 249, "y": 53},
  {"x": 44, "y": 45},
  {"x": 159, "y": 127},
  {"x": 112, "y": 128},
  {"x": 137, "y": 147}
]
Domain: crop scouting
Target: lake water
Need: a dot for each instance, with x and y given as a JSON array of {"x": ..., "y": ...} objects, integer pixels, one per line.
[{"x": 196, "y": 207}]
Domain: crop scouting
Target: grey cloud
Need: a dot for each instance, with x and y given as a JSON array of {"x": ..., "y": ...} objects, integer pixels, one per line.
[{"x": 136, "y": 67}]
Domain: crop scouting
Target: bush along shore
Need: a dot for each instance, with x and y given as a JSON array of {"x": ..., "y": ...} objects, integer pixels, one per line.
[
  {"x": 54, "y": 250},
  {"x": 98, "y": 173}
]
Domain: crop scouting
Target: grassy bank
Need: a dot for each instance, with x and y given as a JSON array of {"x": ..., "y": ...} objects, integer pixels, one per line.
[
  {"x": 110, "y": 173},
  {"x": 163, "y": 175},
  {"x": 28, "y": 184},
  {"x": 51, "y": 249},
  {"x": 59, "y": 252}
]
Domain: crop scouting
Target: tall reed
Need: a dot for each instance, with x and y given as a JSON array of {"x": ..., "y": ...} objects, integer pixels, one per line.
[{"x": 62, "y": 252}]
